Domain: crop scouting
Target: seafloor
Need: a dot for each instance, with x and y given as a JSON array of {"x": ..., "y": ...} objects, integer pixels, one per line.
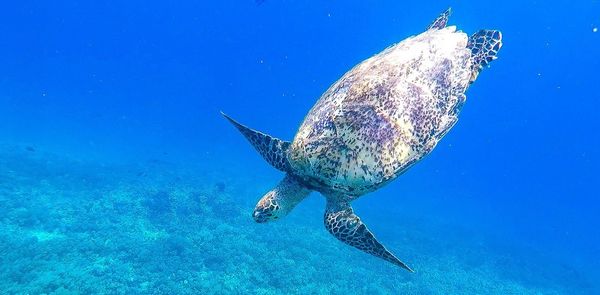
[{"x": 80, "y": 227}]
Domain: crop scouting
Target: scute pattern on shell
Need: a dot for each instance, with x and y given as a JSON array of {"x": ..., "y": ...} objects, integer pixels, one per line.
[{"x": 383, "y": 115}]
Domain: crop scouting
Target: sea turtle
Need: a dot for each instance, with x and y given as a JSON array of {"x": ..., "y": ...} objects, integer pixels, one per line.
[{"x": 378, "y": 120}]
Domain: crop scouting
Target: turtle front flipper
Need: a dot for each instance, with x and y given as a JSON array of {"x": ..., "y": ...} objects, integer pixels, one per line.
[
  {"x": 343, "y": 224},
  {"x": 272, "y": 149}
]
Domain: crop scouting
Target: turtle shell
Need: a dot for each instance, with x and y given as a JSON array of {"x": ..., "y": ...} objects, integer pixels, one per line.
[{"x": 383, "y": 115}]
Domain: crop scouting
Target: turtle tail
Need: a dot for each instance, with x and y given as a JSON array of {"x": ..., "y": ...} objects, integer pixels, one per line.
[
  {"x": 484, "y": 46},
  {"x": 272, "y": 149}
]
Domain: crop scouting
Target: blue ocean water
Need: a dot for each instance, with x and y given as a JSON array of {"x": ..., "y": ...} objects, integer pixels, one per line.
[{"x": 119, "y": 176}]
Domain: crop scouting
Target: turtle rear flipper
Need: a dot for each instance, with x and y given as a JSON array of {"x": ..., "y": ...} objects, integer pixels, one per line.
[
  {"x": 343, "y": 224},
  {"x": 441, "y": 21},
  {"x": 484, "y": 46},
  {"x": 272, "y": 149}
]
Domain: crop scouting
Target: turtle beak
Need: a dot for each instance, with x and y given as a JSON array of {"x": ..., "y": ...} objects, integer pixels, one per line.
[{"x": 261, "y": 215}]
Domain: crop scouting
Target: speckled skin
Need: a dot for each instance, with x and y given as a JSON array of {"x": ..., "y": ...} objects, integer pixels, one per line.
[{"x": 384, "y": 115}]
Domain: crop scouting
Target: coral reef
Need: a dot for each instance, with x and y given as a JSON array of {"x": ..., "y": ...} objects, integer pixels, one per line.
[{"x": 68, "y": 227}]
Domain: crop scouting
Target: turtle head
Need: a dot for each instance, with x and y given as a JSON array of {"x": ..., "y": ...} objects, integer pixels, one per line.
[
  {"x": 279, "y": 201},
  {"x": 268, "y": 208}
]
